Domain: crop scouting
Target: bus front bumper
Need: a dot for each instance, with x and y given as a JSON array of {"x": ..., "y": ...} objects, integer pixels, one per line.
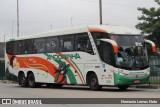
[{"x": 121, "y": 80}]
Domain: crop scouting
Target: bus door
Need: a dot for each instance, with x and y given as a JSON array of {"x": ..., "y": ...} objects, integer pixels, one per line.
[{"x": 107, "y": 55}]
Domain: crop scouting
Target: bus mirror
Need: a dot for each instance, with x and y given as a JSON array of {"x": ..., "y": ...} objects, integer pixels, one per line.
[
  {"x": 115, "y": 48},
  {"x": 113, "y": 43},
  {"x": 153, "y": 46}
]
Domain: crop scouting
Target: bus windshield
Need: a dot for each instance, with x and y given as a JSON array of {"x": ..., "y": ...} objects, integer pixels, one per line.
[{"x": 132, "y": 53}]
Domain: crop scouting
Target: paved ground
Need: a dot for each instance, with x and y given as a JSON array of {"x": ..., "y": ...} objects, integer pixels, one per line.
[{"x": 14, "y": 91}]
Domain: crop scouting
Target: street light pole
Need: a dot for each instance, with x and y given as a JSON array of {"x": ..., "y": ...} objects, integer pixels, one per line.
[
  {"x": 100, "y": 11},
  {"x": 12, "y": 27},
  {"x": 71, "y": 21},
  {"x": 4, "y": 38},
  {"x": 17, "y": 18},
  {"x": 51, "y": 27}
]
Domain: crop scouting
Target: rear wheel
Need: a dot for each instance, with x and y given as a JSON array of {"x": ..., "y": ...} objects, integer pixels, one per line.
[
  {"x": 123, "y": 87},
  {"x": 93, "y": 82},
  {"x": 31, "y": 81},
  {"x": 22, "y": 80}
]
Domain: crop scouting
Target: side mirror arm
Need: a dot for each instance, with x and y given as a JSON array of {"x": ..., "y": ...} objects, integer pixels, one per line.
[
  {"x": 113, "y": 43},
  {"x": 152, "y": 44}
]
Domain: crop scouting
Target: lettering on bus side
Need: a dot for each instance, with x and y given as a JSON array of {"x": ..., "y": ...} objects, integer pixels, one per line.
[{"x": 64, "y": 56}]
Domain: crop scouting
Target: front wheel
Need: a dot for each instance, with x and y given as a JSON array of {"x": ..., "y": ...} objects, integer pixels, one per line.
[
  {"x": 123, "y": 87},
  {"x": 31, "y": 81},
  {"x": 93, "y": 82}
]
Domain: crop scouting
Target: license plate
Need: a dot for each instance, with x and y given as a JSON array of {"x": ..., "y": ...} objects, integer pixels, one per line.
[{"x": 136, "y": 81}]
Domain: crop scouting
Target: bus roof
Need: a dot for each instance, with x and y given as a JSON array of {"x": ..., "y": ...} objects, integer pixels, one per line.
[
  {"x": 116, "y": 29},
  {"x": 80, "y": 29}
]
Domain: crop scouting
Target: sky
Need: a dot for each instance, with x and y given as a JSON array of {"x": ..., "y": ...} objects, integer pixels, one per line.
[{"x": 36, "y": 16}]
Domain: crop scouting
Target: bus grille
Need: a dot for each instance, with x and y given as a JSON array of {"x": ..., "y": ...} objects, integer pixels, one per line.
[{"x": 134, "y": 75}]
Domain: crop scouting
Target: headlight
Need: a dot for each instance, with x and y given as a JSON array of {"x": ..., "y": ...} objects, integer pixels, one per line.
[
  {"x": 147, "y": 73},
  {"x": 121, "y": 73}
]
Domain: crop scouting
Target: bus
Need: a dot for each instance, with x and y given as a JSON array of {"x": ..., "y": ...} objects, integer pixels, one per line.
[{"x": 98, "y": 55}]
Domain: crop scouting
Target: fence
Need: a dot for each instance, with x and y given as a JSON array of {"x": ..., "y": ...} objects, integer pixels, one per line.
[{"x": 154, "y": 62}]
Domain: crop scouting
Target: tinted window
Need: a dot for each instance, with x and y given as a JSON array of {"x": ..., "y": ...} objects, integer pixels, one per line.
[
  {"x": 66, "y": 43},
  {"x": 52, "y": 44},
  {"x": 21, "y": 47},
  {"x": 82, "y": 43},
  {"x": 9, "y": 47},
  {"x": 39, "y": 45},
  {"x": 100, "y": 35},
  {"x": 16, "y": 46},
  {"x": 106, "y": 52},
  {"x": 29, "y": 46}
]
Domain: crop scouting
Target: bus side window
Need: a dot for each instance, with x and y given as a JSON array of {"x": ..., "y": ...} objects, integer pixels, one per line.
[
  {"x": 22, "y": 47},
  {"x": 29, "y": 46},
  {"x": 39, "y": 45},
  {"x": 9, "y": 47},
  {"x": 82, "y": 43},
  {"x": 16, "y": 46},
  {"x": 52, "y": 44},
  {"x": 66, "y": 43}
]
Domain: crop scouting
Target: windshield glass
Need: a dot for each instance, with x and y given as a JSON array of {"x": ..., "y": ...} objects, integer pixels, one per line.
[{"x": 132, "y": 54}]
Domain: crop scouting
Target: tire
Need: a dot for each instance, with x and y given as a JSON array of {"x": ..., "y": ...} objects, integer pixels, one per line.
[
  {"x": 31, "y": 81},
  {"x": 7, "y": 74},
  {"x": 22, "y": 80},
  {"x": 93, "y": 82},
  {"x": 123, "y": 87}
]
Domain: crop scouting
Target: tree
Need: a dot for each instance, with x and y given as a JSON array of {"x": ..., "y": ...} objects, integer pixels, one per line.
[{"x": 150, "y": 23}]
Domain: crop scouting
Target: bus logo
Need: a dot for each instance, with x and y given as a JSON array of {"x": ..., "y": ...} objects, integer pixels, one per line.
[
  {"x": 63, "y": 56},
  {"x": 6, "y": 101}
]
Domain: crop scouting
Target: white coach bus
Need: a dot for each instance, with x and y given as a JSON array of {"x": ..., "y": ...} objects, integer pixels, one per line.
[{"x": 97, "y": 56}]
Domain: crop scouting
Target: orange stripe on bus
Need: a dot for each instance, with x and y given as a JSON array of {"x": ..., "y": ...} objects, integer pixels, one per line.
[
  {"x": 40, "y": 64},
  {"x": 97, "y": 30}
]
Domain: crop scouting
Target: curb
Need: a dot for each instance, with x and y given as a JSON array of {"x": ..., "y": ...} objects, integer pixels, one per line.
[{"x": 147, "y": 86}]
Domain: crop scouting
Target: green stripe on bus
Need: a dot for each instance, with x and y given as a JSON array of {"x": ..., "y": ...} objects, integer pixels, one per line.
[
  {"x": 70, "y": 74},
  {"x": 78, "y": 69}
]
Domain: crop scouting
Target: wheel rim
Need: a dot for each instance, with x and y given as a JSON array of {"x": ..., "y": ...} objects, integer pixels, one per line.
[
  {"x": 23, "y": 79},
  {"x": 94, "y": 82},
  {"x": 31, "y": 81}
]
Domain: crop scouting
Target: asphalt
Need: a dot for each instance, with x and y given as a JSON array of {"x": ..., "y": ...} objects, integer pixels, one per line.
[{"x": 149, "y": 86}]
